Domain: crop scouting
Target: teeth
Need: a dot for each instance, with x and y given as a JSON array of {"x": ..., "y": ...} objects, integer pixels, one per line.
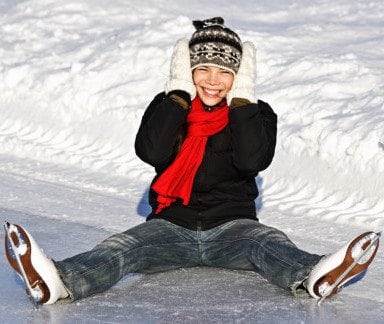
[{"x": 212, "y": 92}]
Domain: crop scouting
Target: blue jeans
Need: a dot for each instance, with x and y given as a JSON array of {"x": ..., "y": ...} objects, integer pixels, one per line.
[{"x": 159, "y": 245}]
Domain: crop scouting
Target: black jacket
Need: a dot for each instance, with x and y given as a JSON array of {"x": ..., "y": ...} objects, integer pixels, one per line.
[{"x": 224, "y": 187}]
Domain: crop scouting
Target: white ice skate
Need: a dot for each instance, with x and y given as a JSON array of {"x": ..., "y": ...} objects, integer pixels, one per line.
[
  {"x": 344, "y": 267},
  {"x": 42, "y": 281}
]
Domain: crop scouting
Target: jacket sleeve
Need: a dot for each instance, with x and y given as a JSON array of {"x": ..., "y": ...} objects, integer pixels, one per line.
[
  {"x": 157, "y": 135},
  {"x": 253, "y": 131}
]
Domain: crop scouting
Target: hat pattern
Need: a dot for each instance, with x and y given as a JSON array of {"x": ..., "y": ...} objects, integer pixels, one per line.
[{"x": 214, "y": 44}]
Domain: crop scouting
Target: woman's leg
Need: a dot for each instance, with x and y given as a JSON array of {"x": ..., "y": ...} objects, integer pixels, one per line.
[
  {"x": 153, "y": 246},
  {"x": 248, "y": 245}
]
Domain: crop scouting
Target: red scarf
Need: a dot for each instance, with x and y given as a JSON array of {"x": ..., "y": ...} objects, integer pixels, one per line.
[{"x": 177, "y": 180}]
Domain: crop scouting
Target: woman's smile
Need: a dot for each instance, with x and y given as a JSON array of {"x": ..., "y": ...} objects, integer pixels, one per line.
[{"x": 212, "y": 83}]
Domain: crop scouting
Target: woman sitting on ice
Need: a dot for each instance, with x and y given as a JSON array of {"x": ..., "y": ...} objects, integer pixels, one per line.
[{"x": 207, "y": 138}]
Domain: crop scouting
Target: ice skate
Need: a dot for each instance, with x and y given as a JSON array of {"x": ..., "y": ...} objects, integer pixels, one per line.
[
  {"x": 42, "y": 281},
  {"x": 344, "y": 267}
]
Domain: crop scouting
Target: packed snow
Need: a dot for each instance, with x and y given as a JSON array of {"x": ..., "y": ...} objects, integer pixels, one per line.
[{"x": 75, "y": 79}]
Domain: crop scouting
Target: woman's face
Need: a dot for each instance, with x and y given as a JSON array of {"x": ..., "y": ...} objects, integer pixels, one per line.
[{"x": 212, "y": 84}]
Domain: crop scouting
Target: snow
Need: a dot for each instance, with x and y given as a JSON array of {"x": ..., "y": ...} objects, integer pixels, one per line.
[{"x": 75, "y": 78}]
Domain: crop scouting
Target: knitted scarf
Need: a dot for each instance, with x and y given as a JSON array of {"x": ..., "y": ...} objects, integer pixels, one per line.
[{"x": 177, "y": 180}]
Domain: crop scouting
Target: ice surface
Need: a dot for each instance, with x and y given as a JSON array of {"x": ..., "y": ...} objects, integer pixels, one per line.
[{"x": 185, "y": 295}]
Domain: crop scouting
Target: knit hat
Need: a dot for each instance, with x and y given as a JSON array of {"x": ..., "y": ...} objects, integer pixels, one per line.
[{"x": 214, "y": 44}]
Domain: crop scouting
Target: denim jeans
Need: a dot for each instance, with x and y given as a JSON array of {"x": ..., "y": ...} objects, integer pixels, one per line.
[{"x": 159, "y": 245}]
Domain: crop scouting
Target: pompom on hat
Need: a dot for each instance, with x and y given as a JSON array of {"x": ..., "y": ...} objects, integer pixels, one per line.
[{"x": 215, "y": 44}]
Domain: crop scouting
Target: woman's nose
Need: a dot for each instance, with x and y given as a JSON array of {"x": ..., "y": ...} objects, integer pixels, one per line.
[{"x": 212, "y": 78}]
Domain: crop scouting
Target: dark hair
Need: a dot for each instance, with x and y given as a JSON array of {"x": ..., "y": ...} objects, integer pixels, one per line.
[{"x": 182, "y": 134}]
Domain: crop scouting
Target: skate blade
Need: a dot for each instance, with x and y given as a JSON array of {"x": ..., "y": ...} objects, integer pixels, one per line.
[
  {"x": 18, "y": 252},
  {"x": 368, "y": 243}
]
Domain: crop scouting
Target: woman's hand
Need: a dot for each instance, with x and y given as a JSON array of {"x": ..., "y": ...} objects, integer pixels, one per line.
[
  {"x": 180, "y": 77},
  {"x": 244, "y": 83}
]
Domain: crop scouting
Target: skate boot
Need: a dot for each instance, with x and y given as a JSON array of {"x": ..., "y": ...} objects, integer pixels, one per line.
[
  {"x": 38, "y": 271},
  {"x": 344, "y": 267}
]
